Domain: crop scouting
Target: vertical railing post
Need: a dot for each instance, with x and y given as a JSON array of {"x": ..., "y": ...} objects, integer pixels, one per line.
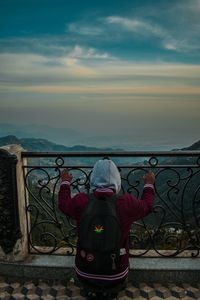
[{"x": 13, "y": 223}]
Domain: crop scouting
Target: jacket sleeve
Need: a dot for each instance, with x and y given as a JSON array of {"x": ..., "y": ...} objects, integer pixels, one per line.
[
  {"x": 139, "y": 208},
  {"x": 71, "y": 206}
]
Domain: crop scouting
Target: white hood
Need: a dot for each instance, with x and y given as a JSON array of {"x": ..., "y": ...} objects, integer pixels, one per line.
[{"x": 105, "y": 175}]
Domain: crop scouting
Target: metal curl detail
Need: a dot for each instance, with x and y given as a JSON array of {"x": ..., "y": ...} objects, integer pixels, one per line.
[
  {"x": 153, "y": 161},
  {"x": 59, "y": 161}
]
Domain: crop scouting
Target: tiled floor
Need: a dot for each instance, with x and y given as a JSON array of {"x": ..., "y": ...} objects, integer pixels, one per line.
[{"x": 11, "y": 289}]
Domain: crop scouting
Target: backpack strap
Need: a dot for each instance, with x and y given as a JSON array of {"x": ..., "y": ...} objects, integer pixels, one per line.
[
  {"x": 112, "y": 198},
  {"x": 94, "y": 201}
]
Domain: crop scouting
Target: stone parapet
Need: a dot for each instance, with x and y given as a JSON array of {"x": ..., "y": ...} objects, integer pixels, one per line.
[
  {"x": 141, "y": 269},
  {"x": 14, "y": 244}
]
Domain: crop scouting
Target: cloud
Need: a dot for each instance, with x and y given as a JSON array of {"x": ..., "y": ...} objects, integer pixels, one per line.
[
  {"x": 135, "y": 25},
  {"x": 53, "y": 46},
  {"x": 82, "y": 29},
  {"x": 77, "y": 62},
  {"x": 170, "y": 45},
  {"x": 43, "y": 45},
  {"x": 88, "y": 53},
  {"x": 80, "y": 61},
  {"x": 171, "y": 26},
  {"x": 145, "y": 30},
  {"x": 182, "y": 24},
  {"x": 26, "y": 68},
  {"x": 158, "y": 25},
  {"x": 106, "y": 28},
  {"x": 115, "y": 28},
  {"x": 170, "y": 33},
  {"x": 82, "y": 72}
]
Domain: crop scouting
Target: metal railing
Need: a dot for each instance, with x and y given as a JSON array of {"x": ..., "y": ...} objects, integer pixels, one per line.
[{"x": 173, "y": 229}]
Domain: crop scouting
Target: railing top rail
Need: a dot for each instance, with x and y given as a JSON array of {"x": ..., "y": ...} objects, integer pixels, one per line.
[{"x": 110, "y": 153}]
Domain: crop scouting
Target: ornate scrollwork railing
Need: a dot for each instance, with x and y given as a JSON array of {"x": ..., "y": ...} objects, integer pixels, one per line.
[{"x": 173, "y": 229}]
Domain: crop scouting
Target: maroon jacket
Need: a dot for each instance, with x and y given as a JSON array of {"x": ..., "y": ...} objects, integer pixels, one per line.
[{"x": 129, "y": 209}]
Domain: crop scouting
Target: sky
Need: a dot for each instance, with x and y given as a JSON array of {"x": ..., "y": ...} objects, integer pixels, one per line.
[{"x": 118, "y": 73}]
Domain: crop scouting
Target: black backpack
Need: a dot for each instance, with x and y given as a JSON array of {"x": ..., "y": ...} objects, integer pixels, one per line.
[{"x": 99, "y": 236}]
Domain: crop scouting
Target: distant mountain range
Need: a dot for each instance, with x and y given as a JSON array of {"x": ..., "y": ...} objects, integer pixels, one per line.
[
  {"x": 36, "y": 144},
  {"x": 103, "y": 139},
  {"x": 57, "y": 135}
]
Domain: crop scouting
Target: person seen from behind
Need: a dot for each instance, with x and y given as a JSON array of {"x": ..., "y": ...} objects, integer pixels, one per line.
[{"x": 99, "y": 265}]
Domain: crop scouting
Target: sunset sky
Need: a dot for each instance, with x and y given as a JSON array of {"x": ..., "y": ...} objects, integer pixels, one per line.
[{"x": 116, "y": 72}]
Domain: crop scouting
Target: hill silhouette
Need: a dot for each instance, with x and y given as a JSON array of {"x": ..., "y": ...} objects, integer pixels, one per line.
[
  {"x": 195, "y": 146},
  {"x": 37, "y": 144}
]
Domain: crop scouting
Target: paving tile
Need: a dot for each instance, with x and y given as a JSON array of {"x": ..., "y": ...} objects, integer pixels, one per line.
[
  {"x": 137, "y": 298},
  {"x": 72, "y": 290},
  {"x": 45, "y": 290},
  {"x": 53, "y": 291},
  {"x": 188, "y": 298},
  {"x": 17, "y": 288},
  {"x": 147, "y": 292},
  {"x": 30, "y": 287},
  {"x": 33, "y": 297},
  {"x": 38, "y": 291},
  {"x": 122, "y": 294},
  {"x": 172, "y": 298},
  {"x": 3, "y": 285},
  {"x": 9, "y": 289},
  {"x": 29, "y": 284},
  {"x": 186, "y": 285},
  {"x": 162, "y": 292},
  {"x": 4, "y": 296},
  {"x": 16, "y": 285},
  {"x": 48, "y": 297},
  {"x": 171, "y": 285},
  {"x": 157, "y": 285},
  {"x": 24, "y": 290},
  {"x": 63, "y": 290},
  {"x": 142, "y": 285},
  {"x": 132, "y": 292},
  {"x": 128, "y": 298},
  {"x": 17, "y": 296},
  {"x": 178, "y": 292},
  {"x": 78, "y": 297},
  {"x": 156, "y": 298},
  {"x": 192, "y": 291}
]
